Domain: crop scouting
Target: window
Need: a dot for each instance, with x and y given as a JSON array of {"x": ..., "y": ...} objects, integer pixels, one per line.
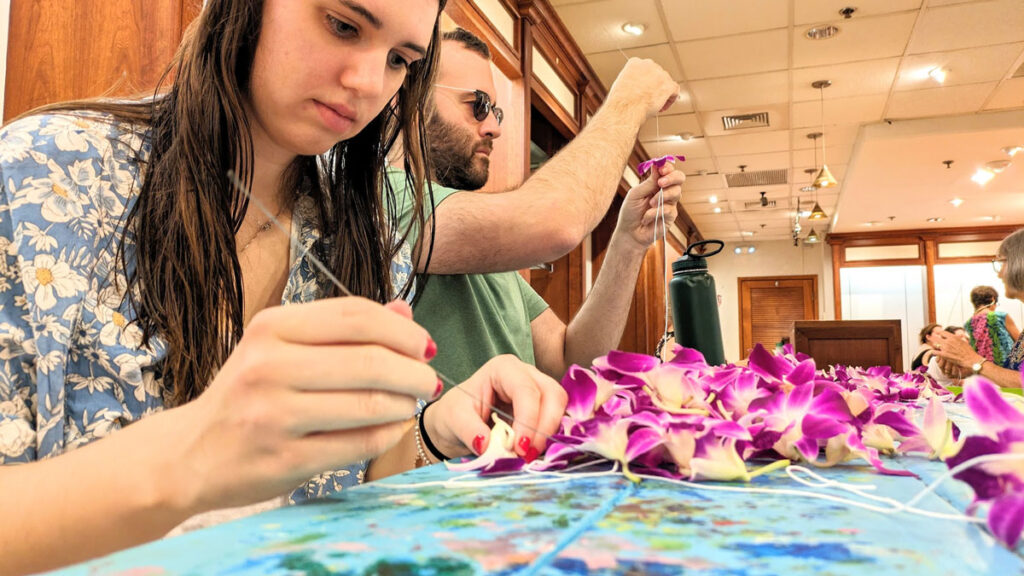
[{"x": 887, "y": 293}]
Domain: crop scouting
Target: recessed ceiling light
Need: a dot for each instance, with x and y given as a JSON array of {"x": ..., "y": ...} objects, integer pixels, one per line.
[
  {"x": 746, "y": 233},
  {"x": 935, "y": 220},
  {"x": 713, "y": 199},
  {"x": 987, "y": 218},
  {"x": 956, "y": 202},
  {"x": 634, "y": 28},
  {"x": 685, "y": 136},
  {"x": 750, "y": 249},
  {"x": 821, "y": 32},
  {"x": 982, "y": 176},
  {"x": 718, "y": 209},
  {"x": 737, "y": 250},
  {"x": 1011, "y": 151},
  {"x": 938, "y": 74}
]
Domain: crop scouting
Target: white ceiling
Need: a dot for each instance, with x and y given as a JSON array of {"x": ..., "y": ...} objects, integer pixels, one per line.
[{"x": 746, "y": 56}]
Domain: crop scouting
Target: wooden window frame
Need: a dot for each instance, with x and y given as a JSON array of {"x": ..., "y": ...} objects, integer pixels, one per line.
[{"x": 927, "y": 239}]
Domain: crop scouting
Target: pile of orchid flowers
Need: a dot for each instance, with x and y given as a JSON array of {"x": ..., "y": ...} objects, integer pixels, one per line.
[{"x": 686, "y": 420}]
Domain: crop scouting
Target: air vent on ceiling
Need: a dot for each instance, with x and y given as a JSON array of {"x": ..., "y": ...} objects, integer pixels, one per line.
[
  {"x": 757, "y": 205},
  {"x": 741, "y": 121},
  {"x": 1020, "y": 72},
  {"x": 758, "y": 178}
]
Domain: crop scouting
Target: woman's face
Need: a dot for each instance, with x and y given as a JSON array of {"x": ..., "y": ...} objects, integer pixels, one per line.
[
  {"x": 933, "y": 337},
  {"x": 323, "y": 69},
  {"x": 1009, "y": 291}
]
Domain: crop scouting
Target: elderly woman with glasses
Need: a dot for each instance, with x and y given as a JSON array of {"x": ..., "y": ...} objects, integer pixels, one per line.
[{"x": 958, "y": 359}]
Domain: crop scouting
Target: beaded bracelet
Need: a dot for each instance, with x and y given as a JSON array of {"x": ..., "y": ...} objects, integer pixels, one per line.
[
  {"x": 421, "y": 456},
  {"x": 421, "y": 433}
]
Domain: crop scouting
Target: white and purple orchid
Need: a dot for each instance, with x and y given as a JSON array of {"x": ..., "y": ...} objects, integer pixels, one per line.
[{"x": 684, "y": 419}]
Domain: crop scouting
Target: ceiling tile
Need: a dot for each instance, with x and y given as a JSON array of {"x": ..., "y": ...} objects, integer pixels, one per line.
[
  {"x": 697, "y": 183},
  {"x": 693, "y": 19},
  {"x": 597, "y": 26},
  {"x": 968, "y": 25},
  {"x": 754, "y": 162},
  {"x": 852, "y": 79},
  {"x": 866, "y": 39},
  {"x": 835, "y": 137},
  {"x": 819, "y": 11},
  {"x": 694, "y": 166},
  {"x": 776, "y": 141},
  {"x": 1009, "y": 95},
  {"x": 609, "y": 64},
  {"x": 741, "y": 91},
  {"x": 939, "y": 101},
  {"x": 970, "y": 66},
  {"x": 666, "y": 127},
  {"x": 696, "y": 148},
  {"x": 855, "y": 110},
  {"x": 735, "y": 55}
]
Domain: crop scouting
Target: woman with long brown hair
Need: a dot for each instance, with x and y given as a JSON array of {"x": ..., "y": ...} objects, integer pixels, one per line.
[{"x": 140, "y": 291}]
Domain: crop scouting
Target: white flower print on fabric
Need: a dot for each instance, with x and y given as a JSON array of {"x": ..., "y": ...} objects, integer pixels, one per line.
[{"x": 46, "y": 278}]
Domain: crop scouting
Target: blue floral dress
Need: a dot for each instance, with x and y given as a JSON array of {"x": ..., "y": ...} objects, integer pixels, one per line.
[{"x": 72, "y": 367}]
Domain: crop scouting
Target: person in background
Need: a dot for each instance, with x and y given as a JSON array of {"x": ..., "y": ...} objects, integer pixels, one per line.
[
  {"x": 474, "y": 303},
  {"x": 991, "y": 332},
  {"x": 148, "y": 371},
  {"x": 933, "y": 364},
  {"x": 958, "y": 359},
  {"x": 959, "y": 332},
  {"x": 928, "y": 336}
]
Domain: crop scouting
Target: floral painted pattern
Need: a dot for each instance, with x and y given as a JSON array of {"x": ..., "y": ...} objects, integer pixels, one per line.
[{"x": 72, "y": 365}]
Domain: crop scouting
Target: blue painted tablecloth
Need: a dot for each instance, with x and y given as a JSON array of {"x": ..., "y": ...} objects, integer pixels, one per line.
[{"x": 605, "y": 526}]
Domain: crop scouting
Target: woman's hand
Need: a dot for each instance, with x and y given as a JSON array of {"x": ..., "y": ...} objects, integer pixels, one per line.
[
  {"x": 954, "y": 352},
  {"x": 310, "y": 387},
  {"x": 458, "y": 423}
]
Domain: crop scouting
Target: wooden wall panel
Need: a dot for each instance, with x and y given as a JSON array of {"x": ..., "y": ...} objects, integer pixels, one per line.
[{"x": 67, "y": 49}]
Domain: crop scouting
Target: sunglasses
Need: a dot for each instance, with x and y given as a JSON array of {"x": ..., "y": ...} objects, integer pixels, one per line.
[
  {"x": 482, "y": 105},
  {"x": 998, "y": 263}
]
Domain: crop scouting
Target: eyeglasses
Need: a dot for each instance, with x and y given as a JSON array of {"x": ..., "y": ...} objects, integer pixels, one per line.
[
  {"x": 482, "y": 105},
  {"x": 998, "y": 263}
]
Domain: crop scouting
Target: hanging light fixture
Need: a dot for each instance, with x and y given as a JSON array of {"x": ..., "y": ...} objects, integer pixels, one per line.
[
  {"x": 816, "y": 213},
  {"x": 825, "y": 178},
  {"x": 812, "y": 237}
]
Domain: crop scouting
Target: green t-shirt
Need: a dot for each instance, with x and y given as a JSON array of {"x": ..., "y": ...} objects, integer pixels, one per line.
[{"x": 472, "y": 317}]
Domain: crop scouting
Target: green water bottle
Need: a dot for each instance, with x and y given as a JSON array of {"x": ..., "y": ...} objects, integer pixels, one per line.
[{"x": 695, "y": 302}]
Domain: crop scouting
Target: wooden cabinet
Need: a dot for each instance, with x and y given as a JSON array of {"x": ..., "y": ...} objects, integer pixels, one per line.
[
  {"x": 863, "y": 343},
  {"x": 69, "y": 49}
]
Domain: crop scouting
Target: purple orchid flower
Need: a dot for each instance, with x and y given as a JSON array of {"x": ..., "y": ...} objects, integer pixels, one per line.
[{"x": 644, "y": 167}]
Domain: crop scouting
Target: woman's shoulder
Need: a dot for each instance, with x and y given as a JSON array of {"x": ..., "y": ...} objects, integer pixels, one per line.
[{"x": 70, "y": 135}]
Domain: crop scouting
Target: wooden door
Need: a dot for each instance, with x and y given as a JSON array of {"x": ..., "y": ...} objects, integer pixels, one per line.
[
  {"x": 70, "y": 49},
  {"x": 770, "y": 305}
]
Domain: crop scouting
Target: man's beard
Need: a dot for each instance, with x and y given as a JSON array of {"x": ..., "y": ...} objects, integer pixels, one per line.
[{"x": 453, "y": 155}]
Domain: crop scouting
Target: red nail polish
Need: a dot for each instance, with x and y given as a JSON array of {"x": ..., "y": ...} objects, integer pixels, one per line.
[
  {"x": 431, "y": 349},
  {"x": 531, "y": 454},
  {"x": 524, "y": 444},
  {"x": 478, "y": 444},
  {"x": 439, "y": 389}
]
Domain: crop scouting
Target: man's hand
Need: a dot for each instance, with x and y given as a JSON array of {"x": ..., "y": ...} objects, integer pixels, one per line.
[
  {"x": 641, "y": 81},
  {"x": 638, "y": 218}
]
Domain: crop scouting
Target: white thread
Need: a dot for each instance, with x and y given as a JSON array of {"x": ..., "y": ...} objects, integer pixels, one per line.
[{"x": 820, "y": 482}]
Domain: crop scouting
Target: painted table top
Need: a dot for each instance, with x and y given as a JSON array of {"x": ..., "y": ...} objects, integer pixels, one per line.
[{"x": 592, "y": 525}]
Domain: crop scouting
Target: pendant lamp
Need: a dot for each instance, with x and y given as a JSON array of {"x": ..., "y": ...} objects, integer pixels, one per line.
[{"x": 825, "y": 178}]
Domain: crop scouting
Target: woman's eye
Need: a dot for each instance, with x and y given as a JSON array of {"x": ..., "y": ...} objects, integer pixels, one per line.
[
  {"x": 340, "y": 28},
  {"x": 395, "y": 60}
]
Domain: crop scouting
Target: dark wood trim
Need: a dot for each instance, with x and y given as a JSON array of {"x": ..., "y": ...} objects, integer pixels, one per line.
[
  {"x": 837, "y": 287},
  {"x": 526, "y": 63},
  {"x": 505, "y": 56},
  {"x": 929, "y": 263},
  {"x": 542, "y": 99},
  {"x": 943, "y": 235}
]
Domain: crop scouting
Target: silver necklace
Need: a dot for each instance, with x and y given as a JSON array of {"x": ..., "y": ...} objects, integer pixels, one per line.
[{"x": 263, "y": 228}]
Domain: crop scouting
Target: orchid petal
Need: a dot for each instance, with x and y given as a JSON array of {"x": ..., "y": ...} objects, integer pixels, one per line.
[
  {"x": 645, "y": 166},
  {"x": 989, "y": 408},
  {"x": 582, "y": 390},
  {"x": 1006, "y": 518}
]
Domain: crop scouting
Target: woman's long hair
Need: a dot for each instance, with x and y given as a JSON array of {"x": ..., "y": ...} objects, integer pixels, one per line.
[{"x": 184, "y": 267}]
